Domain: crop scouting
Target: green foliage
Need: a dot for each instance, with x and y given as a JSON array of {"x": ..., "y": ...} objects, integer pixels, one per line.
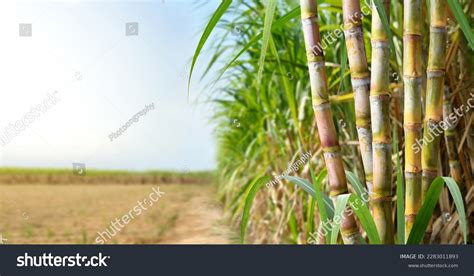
[
  {"x": 264, "y": 118},
  {"x": 426, "y": 212},
  {"x": 462, "y": 20},
  {"x": 254, "y": 187}
]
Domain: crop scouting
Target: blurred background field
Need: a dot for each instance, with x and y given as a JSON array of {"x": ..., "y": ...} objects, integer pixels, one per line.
[{"x": 40, "y": 206}]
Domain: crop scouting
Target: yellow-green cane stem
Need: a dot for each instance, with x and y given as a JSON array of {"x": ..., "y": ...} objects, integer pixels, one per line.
[
  {"x": 434, "y": 97},
  {"x": 360, "y": 78},
  {"x": 381, "y": 194},
  {"x": 412, "y": 76},
  {"x": 434, "y": 92}
]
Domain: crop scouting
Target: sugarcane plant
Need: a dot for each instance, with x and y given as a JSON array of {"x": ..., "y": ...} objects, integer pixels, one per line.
[{"x": 265, "y": 122}]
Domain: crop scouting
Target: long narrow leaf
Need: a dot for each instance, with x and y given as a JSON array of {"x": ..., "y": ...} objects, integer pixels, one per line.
[
  {"x": 323, "y": 211},
  {"x": 362, "y": 212},
  {"x": 207, "y": 32},
  {"x": 432, "y": 196},
  {"x": 354, "y": 181},
  {"x": 366, "y": 220},
  {"x": 307, "y": 187},
  {"x": 462, "y": 20},
  {"x": 256, "y": 185},
  {"x": 267, "y": 32},
  {"x": 277, "y": 24},
  {"x": 341, "y": 204}
]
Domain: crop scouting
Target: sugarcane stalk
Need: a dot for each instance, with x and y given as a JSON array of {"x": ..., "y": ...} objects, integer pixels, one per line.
[
  {"x": 381, "y": 194},
  {"x": 360, "y": 78},
  {"x": 412, "y": 76},
  {"x": 323, "y": 115},
  {"x": 434, "y": 93}
]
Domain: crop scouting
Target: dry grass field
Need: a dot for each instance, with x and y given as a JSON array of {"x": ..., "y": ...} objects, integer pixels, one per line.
[{"x": 59, "y": 214}]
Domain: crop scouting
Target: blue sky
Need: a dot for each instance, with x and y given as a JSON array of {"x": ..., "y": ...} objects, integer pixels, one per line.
[{"x": 102, "y": 78}]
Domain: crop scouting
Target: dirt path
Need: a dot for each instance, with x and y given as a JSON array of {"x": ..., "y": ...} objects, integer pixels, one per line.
[{"x": 201, "y": 221}]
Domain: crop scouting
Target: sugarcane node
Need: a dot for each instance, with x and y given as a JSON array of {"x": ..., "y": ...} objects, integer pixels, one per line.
[
  {"x": 438, "y": 29},
  {"x": 416, "y": 175},
  {"x": 432, "y": 73},
  {"x": 361, "y": 79},
  {"x": 412, "y": 36},
  {"x": 309, "y": 21},
  {"x": 380, "y": 44},
  {"x": 314, "y": 56},
  {"x": 311, "y": 12},
  {"x": 430, "y": 173},
  {"x": 352, "y": 30},
  {"x": 382, "y": 144},
  {"x": 321, "y": 105},
  {"x": 410, "y": 217},
  {"x": 413, "y": 126},
  {"x": 380, "y": 199},
  {"x": 334, "y": 149}
]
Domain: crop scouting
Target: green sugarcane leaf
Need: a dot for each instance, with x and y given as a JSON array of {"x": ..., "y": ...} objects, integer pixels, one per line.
[
  {"x": 302, "y": 183},
  {"x": 359, "y": 207},
  {"x": 207, "y": 32},
  {"x": 267, "y": 32},
  {"x": 323, "y": 203},
  {"x": 432, "y": 196},
  {"x": 358, "y": 187},
  {"x": 456, "y": 8},
  {"x": 343, "y": 64},
  {"x": 293, "y": 225},
  {"x": 341, "y": 204},
  {"x": 362, "y": 212},
  {"x": 307, "y": 187},
  {"x": 255, "y": 186},
  {"x": 280, "y": 22},
  {"x": 310, "y": 217}
]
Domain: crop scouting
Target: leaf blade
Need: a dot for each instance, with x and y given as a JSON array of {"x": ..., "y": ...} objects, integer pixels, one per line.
[
  {"x": 207, "y": 32},
  {"x": 258, "y": 183}
]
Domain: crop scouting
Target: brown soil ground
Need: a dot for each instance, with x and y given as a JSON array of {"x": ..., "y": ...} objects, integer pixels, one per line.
[{"x": 62, "y": 214}]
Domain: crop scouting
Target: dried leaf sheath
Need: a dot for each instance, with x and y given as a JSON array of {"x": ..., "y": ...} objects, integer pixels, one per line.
[{"x": 323, "y": 114}]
